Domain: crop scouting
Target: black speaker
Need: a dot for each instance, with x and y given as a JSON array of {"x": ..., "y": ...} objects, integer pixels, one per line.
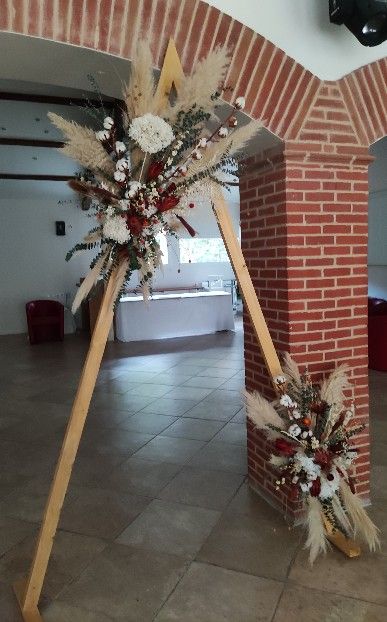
[
  {"x": 60, "y": 227},
  {"x": 366, "y": 19}
]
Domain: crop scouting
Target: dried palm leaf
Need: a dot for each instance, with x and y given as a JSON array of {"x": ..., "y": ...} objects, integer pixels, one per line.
[
  {"x": 140, "y": 90},
  {"x": 261, "y": 412},
  {"x": 316, "y": 541},
  {"x": 332, "y": 389},
  {"x": 89, "y": 282},
  {"x": 200, "y": 85},
  {"x": 291, "y": 371},
  {"x": 362, "y": 524},
  {"x": 83, "y": 146},
  {"x": 88, "y": 190}
]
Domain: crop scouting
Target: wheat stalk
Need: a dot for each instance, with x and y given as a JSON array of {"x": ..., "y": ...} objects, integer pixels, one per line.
[{"x": 83, "y": 146}]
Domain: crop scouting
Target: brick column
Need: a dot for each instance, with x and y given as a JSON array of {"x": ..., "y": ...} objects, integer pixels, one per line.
[{"x": 304, "y": 236}]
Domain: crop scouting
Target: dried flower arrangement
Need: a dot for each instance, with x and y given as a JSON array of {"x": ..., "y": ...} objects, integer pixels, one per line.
[
  {"x": 150, "y": 165},
  {"x": 310, "y": 431}
]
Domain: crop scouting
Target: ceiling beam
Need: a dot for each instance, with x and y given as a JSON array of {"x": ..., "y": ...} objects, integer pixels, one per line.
[
  {"x": 31, "y": 142},
  {"x": 28, "y": 177},
  {"x": 57, "y": 100}
]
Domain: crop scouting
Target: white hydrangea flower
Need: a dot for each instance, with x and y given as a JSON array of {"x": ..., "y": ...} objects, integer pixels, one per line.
[
  {"x": 102, "y": 135},
  {"x": 115, "y": 229},
  {"x": 151, "y": 133},
  {"x": 120, "y": 147},
  {"x": 122, "y": 164},
  {"x": 328, "y": 488},
  {"x": 108, "y": 123}
]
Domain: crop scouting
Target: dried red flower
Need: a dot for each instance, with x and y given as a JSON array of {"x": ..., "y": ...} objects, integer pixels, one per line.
[
  {"x": 154, "y": 170},
  {"x": 284, "y": 447},
  {"x": 167, "y": 203},
  {"x": 316, "y": 487},
  {"x": 135, "y": 224}
]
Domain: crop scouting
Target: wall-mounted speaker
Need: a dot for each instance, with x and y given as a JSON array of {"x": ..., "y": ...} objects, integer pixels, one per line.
[{"x": 366, "y": 19}]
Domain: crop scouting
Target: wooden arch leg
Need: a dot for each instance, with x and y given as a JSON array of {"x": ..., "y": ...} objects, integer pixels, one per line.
[{"x": 28, "y": 591}]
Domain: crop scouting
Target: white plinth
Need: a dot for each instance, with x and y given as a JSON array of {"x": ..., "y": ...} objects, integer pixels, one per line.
[{"x": 173, "y": 315}]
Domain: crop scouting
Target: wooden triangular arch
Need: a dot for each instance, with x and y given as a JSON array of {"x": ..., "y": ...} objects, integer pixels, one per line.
[{"x": 28, "y": 591}]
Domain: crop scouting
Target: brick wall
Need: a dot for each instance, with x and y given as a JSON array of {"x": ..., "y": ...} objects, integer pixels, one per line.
[{"x": 304, "y": 208}]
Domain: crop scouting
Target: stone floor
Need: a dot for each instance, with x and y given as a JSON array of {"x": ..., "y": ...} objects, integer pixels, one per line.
[{"x": 158, "y": 523}]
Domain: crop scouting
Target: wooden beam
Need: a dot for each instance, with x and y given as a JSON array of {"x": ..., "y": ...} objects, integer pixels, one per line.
[
  {"x": 31, "y": 142},
  {"x": 33, "y": 587}
]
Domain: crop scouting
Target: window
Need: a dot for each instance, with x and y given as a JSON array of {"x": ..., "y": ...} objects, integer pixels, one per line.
[
  {"x": 202, "y": 250},
  {"x": 162, "y": 241}
]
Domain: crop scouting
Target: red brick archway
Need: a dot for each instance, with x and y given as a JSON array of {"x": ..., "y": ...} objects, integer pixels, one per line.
[{"x": 303, "y": 207}]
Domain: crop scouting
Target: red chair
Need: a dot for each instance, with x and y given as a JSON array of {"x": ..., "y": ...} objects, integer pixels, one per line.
[
  {"x": 45, "y": 320},
  {"x": 377, "y": 334}
]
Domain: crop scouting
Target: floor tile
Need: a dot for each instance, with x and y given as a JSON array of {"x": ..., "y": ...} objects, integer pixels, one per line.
[
  {"x": 187, "y": 393},
  {"x": 148, "y": 423},
  {"x": 71, "y": 554},
  {"x": 205, "y": 488},
  {"x": 13, "y": 531},
  {"x": 232, "y": 433},
  {"x": 222, "y": 457},
  {"x": 125, "y": 584},
  {"x": 174, "y": 408},
  {"x": 168, "y": 449},
  {"x": 249, "y": 545},
  {"x": 102, "y": 513},
  {"x": 57, "y": 611},
  {"x": 364, "y": 577},
  {"x": 150, "y": 389},
  {"x": 298, "y": 603},
  {"x": 205, "y": 382},
  {"x": 144, "y": 477},
  {"x": 170, "y": 528},
  {"x": 9, "y": 608},
  {"x": 213, "y": 410},
  {"x": 116, "y": 440},
  {"x": 216, "y": 372},
  {"x": 198, "y": 429},
  {"x": 210, "y": 594}
]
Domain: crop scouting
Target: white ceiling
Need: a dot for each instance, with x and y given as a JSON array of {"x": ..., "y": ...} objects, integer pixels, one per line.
[{"x": 302, "y": 29}]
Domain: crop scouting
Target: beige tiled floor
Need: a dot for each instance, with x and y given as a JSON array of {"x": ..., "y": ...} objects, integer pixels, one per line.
[{"x": 159, "y": 524}]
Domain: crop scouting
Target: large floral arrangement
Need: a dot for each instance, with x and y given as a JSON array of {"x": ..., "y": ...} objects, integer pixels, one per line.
[
  {"x": 311, "y": 433},
  {"x": 151, "y": 162}
]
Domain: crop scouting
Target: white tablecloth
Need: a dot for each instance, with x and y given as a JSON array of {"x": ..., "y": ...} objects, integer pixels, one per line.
[{"x": 173, "y": 315}]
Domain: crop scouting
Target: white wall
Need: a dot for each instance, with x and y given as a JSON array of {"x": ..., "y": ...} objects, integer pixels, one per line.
[
  {"x": 377, "y": 238},
  {"x": 302, "y": 29},
  {"x": 32, "y": 257}
]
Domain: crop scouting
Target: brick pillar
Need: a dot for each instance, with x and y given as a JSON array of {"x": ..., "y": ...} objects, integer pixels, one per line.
[{"x": 304, "y": 237}]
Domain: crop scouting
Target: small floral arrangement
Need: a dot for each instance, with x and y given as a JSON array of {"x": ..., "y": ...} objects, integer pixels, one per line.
[
  {"x": 311, "y": 434},
  {"x": 150, "y": 163}
]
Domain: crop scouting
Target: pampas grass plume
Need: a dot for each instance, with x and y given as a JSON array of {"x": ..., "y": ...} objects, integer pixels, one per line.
[
  {"x": 316, "y": 541},
  {"x": 261, "y": 412}
]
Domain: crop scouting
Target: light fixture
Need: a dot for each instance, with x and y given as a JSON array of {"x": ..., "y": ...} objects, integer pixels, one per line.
[{"x": 366, "y": 19}]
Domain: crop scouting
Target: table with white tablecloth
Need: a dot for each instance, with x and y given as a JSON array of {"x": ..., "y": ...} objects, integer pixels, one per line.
[{"x": 173, "y": 315}]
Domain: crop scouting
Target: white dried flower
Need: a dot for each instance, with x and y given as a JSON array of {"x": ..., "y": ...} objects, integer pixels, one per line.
[
  {"x": 304, "y": 434},
  {"x": 197, "y": 155},
  {"x": 122, "y": 164},
  {"x": 280, "y": 379},
  {"x": 294, "y": 430},
  {"x": 151, "y": 133},
  {"x": 203, "y": 143},
  {"x": 296, "y": 413},
  {"x": 115, "y": 229},
  {"x": 305, "y": 487},
  {"x": 314, "y": 442},
  {"x": 102, "y": 135},
  {"x": 240, "y": 103},
  {"x": 182, "y": 169},
  {"x": 134, "y": 188},
  {"x": 222, "y": 132},
  {"x": 286, "y": 401},
  {"x": 108, "y": 123},
  {"x": 120, "y": 147},
  {"x": 119, "y": 176}
]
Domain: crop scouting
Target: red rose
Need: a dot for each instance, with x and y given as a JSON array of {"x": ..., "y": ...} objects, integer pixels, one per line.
[
  {"x": 167, "y": 203},
  {"x": 154, "y": 170},
  {"x": 284, "y": 447},
  {"x": 316, "y": 487},
  {"x": 134, "y": 224}
]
